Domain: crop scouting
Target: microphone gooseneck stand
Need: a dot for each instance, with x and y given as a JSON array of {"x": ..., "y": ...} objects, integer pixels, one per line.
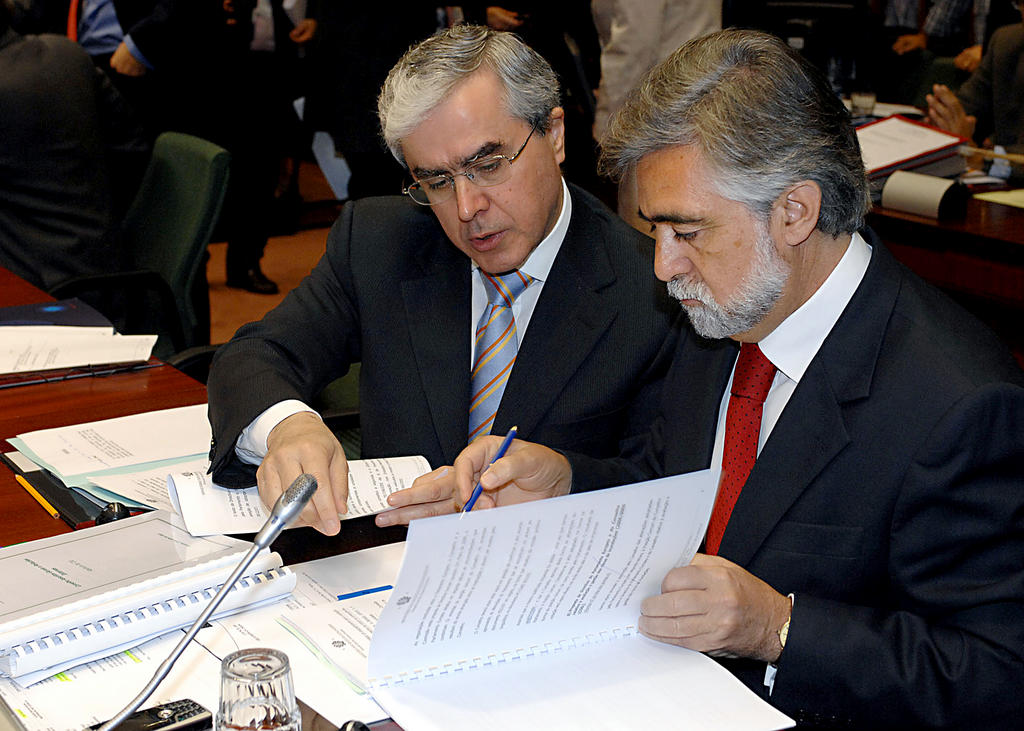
[{"x": 286, "y": 509}]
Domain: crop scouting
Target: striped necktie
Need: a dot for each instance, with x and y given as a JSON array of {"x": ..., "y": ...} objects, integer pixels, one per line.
[{"x": 496, "y": 347}]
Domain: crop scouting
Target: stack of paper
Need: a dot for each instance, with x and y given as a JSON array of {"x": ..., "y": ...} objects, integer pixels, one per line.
[
  {"x": 898, "y": 143},
  {"x": 64, "y": 334},
  {"x": 158, "y": 460}
]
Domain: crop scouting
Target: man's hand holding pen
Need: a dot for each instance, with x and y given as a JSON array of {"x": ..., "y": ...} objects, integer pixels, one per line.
[{"x": 538, "y": 472}]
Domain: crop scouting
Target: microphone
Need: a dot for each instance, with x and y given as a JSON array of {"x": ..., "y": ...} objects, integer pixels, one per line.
[{"x": 285, "y": 510}]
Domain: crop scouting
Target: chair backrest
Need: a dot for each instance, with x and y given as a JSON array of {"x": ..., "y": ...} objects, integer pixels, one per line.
[{"x": 171, "y": 219}]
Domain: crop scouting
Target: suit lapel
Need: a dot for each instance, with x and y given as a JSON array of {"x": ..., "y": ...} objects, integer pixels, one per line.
[
  {"x": 811, "y": 430},
  {"x": 570, "y": 317},
  {"x": 694, "y": 411},
  {"x": 437, "y": 309},
  {"x": 808, "y": 435}
]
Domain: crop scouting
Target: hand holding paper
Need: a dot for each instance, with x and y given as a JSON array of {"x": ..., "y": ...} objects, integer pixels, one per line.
[{"x": 302, "y": 443}]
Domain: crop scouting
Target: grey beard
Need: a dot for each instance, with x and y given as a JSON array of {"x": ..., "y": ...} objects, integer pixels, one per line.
[{"x": 755, "y": 297}]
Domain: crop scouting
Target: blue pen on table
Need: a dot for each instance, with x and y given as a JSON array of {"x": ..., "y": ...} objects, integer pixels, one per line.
[
  {"x": 498, "y": 455},
  {"x": 354, "y": 594}
]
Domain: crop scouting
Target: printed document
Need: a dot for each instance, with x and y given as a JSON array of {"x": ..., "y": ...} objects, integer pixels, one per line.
[
  {"x": 503, "y": 617},
  {"x": 25, "y": 348},
  {"x": 124, "y": 442},
  {"x": 209, "y": 509}
]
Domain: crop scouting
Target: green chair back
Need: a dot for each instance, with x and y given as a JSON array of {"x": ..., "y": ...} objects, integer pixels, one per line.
[{"x": 172, "y": 217}]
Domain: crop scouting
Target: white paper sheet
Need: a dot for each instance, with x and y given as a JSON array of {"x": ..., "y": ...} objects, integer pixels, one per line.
[
  {"x": 893, "y": 140},
  {"x": 148, "y": 487},
  {"x": 95, "y": 447},
  {"x": 319, "y": 584},
  {"x": 209, "y": 509},
  {"x": 36, "y": 348}
]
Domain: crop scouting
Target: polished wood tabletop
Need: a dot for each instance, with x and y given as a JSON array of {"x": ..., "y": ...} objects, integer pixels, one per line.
[
  {"x": 977, "y": 257},
  {"x": 982, "y": 221},
  {"x": 40, "y": 406}
]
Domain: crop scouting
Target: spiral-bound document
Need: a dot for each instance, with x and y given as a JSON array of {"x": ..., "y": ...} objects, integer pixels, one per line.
[
  {"x": 91, "y": 593},
  {"x": 526, "y": 616}
]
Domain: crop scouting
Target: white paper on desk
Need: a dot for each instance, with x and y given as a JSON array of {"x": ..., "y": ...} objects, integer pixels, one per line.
[
  {"x": 96, "y": 447},
  {"x": 209, "y": 509},
  {"x": 148, "y": 487},
  {"x": 640, "y": 683},
  {"x": 95, "y": 691},
  {"x": 319, "y": 584},
  {"x": 43, "y": 347},
  {"x": 539, "y": 603},
  {"x": 339, "y": 633}
]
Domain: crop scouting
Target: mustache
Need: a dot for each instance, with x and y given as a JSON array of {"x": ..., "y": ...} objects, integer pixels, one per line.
[{"x": 682, "y": 289}]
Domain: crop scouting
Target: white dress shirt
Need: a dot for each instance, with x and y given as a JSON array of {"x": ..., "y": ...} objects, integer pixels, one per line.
[{"x": 793, "y": 344}]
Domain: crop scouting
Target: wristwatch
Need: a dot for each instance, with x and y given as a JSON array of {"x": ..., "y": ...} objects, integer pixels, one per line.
[
  {"x": 784, "y": 629},
  {"x": 784, "y": 633}
]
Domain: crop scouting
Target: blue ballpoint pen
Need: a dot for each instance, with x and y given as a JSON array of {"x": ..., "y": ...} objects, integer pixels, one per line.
[{"x": 498, "y": 455}]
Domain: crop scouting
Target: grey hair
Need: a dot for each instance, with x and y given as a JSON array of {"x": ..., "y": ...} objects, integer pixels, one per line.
[
  {"x": 763, "y": 117},
  {"x": 429, "y": 71}
]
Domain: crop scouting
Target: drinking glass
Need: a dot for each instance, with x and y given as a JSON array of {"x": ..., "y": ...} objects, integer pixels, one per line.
[
  {"x": 862, "y": 103},
  {"x": 256, "y": 692}
]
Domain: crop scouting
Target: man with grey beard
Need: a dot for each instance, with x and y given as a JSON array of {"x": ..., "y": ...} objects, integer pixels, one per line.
[{"x": 864, "y": 561}]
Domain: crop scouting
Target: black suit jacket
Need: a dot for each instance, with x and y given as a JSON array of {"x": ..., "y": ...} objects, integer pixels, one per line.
[
  {"x": 393, "y": 293},
  {"x": 889, "y": 499},
  {"x": 995, "y": 92},
  {"x": 65, "y": 134}
]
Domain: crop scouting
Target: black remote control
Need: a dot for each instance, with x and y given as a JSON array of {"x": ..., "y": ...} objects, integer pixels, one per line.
[{"x": 183, "y": 715}]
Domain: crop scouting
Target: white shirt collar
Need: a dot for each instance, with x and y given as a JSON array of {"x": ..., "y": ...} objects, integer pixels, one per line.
[
  {"x": 793, "y": 344},
  {"x": 538, "y": 263}
]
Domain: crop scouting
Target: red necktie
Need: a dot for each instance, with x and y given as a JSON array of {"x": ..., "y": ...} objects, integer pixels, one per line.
[{"x": 750, "y": 384}]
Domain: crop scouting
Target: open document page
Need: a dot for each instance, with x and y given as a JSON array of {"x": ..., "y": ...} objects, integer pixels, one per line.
[
  {"x": 209, "y": 509},
  {"x": 528, "y": 613}
]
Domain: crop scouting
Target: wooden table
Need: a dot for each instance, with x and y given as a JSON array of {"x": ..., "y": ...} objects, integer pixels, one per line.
[
  {"x": 977, "y": 258},
  {"x": 26, "y": 408}
]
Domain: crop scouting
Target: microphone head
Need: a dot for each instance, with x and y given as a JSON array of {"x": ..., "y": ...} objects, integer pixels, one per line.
[
  {"x": 300, "y": 491},
  {"x": 286, "y": 509}
]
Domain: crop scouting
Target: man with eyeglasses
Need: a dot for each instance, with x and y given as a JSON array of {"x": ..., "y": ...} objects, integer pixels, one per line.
[{"x": 492, "y": 295}]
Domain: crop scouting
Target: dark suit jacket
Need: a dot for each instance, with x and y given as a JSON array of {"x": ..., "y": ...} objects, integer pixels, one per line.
[
  {"x": 995, "y": 92},
  {"x": 889, "y": 499},
  {"x": 65, "y": 135},
  {"x": 393, "y": 293}
]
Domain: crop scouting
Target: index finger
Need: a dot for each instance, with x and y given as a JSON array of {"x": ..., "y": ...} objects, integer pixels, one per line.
[
  {"x": 431, "y": 487},
  {"x": 278, "y": 473}
]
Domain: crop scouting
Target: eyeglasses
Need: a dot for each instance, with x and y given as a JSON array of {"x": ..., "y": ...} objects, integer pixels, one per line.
[{"x": 485, "y": 172}]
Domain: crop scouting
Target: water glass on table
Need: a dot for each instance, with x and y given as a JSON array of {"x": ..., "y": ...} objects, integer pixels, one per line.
[{"x": 256, "y": 692}]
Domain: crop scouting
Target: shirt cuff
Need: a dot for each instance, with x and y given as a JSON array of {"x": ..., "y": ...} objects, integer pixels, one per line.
[
  {"x": 251, "y": 446},
  {"x": 136, "y": 53}
]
